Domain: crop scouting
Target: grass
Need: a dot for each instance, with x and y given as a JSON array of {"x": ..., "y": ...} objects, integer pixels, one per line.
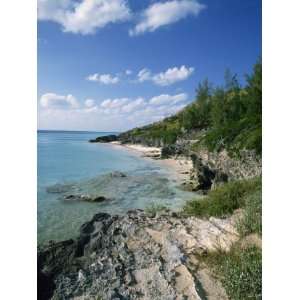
[
  {"x": 239, "y": 270},
  {"x": 251, "y": 221},
  {"x": 222, "y": 201},
  {"x": 154, "y": 208}
]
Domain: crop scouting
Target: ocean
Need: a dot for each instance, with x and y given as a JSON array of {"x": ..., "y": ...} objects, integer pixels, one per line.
[{"x": 69, "y": 165}]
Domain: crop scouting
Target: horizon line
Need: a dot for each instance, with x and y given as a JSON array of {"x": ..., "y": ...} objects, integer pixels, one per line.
[{"x": 71, "y": 130}]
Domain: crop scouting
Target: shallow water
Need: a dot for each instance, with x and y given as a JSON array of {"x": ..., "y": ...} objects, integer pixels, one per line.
[{"x": 69, "y": 165}]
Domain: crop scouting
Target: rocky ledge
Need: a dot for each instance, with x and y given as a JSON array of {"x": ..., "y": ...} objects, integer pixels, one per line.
[
  {"x": 105, "y": 139},
  {"x": 135, "y": 256}
]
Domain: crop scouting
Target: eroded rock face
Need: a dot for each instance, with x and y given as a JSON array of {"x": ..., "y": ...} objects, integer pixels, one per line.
[
  {"x": 135, "y": 256},
  {"x": 173, "y": 150},
  {"x": 205, "y": 177},
  {"x": 248, "y": 165}
]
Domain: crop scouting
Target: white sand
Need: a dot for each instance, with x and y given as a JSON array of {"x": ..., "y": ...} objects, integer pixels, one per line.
[{"x": 179, "y": 167}]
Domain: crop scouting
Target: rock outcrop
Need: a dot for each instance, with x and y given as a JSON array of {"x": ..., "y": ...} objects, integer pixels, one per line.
[
  {"x": 173, "y": 150},
  {"x": 205, "y": 176},
  {"x": 136, "y": 256},
  {"x": 214, "y": 168},
  {"x": 105, "y": 139}
]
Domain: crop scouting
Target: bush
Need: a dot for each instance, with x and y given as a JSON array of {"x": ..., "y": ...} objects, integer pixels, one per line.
[
  {"x": 239, "y": 270},
  {"x": 252, "y": 220},
  {"x": 154, "y": 208},
  {"x": 231, "y": 116},
  {"x": 222, "y": 201}
]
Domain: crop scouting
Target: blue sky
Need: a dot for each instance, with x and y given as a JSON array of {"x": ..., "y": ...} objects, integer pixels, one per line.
[{"x": 111, "y": 65}]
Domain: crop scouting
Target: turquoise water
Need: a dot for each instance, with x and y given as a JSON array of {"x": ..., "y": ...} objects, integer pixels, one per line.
[{"x": 69, "y": 165}]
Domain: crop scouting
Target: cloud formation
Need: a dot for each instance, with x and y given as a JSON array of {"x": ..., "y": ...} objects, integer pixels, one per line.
[
  {"x": 52, "y": 100},
  {"x": 144, "y": 74},
  {"x": 166, "y": 99},
  {"x": 164, "y": 13},
  {"x": 83, "y": 17},
  {"x": 109, "y": 114},
  {"x": 170, "y": 76},
  {"x": 103, "y": 78},
  {"x": 89, "y": 103}
]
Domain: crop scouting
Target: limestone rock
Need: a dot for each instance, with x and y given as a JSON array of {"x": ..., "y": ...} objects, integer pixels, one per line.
[{"x": 135, "y": 256}]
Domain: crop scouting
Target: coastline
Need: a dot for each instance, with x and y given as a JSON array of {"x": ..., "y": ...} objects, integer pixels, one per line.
[
  {"x": 180, "y": 167},
  {"x": 158, "y": 239}
]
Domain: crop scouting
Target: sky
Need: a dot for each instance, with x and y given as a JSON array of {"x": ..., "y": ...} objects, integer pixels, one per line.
[{"x": 111, "y": 65}]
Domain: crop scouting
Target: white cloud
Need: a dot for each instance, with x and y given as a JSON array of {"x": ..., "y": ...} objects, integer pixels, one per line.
[
  {"x": 164, "y": 104},
  {"x": 134, "y": 105},
  {"x": 52, "y": 100},
  {"x": 89, "y": 103},
  {"x": 144, "y": 74},
  {"x": 64, "y": 112},
  {"x": 103, "y": 78},
  {"x": 114, "y": 103},
  {"x": 170, "y": 76},
  {"x": 83, "y": 17},
  {"x": 168, "y": 99},
  {"x": 164, "y": 13}
]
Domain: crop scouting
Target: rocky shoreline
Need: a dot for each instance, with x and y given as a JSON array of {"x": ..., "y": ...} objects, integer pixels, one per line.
[
  {"x": 142, "y": 255},
  {"x": 198, "y": 170},
  {"x": 136, "y": 256}
]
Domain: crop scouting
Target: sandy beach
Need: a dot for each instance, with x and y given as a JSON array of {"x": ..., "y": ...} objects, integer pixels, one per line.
[{"x": 179, "y": 167}]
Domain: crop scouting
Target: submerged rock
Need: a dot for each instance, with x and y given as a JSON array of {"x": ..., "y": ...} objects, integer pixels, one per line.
[
  {"x": 135, "y": 256},
  {"x": 117, "y": 174},
  {"x": 120, "y": 189},
  {"x": 85, "y": 198},
  {"x": 59, "y": 188}
]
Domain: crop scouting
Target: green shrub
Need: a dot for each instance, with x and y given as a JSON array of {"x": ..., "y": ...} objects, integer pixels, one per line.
[
  {"x": 239, "y": 270},
  {"x": 231, "y": 116},
  {"x": 154, "y": 208},
  {"x": 251, "y": 222},
  {"x": 223, "y": 200}
]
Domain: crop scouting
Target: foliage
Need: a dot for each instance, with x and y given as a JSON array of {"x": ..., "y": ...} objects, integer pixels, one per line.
[
  {"x": 223, "y": 200},
  {"x": 236, "y": 115},
  {"x": 252, "y": 219},
  {"x": 197, "y": 115},
  {"x": 239, "y": 270},
  {"x": 230, "y": 115}
]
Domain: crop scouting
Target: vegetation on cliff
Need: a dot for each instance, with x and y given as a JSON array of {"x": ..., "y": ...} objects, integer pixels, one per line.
[
  {"x": 226, "y": 117},
  {"x": 239, "y": 270},
  {"x": 226, "y": 198}
]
